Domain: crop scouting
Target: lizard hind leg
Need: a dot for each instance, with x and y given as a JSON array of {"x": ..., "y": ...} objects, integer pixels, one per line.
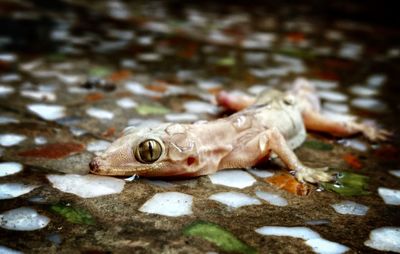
[
  {"x": 234, "y": 101},
  {"x": 276, "y": 143}
]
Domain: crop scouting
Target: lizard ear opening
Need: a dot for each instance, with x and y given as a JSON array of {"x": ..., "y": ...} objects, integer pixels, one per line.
[{"x": 148, "y": 151}]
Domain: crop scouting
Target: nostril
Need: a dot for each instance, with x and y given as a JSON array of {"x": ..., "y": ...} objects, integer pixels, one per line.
[{"x": 94, "y": 166}]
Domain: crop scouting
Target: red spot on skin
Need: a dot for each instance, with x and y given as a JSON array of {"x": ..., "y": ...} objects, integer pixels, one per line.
[
  {"x": 191, "y": 160},
  {"x": 53, "y": 151},
  {"x": 352, "y": 160}
]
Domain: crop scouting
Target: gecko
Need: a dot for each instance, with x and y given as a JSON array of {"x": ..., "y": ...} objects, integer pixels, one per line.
[{"x": 271, "y": 124}]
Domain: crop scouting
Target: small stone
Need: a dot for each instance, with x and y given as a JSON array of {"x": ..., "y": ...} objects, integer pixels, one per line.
[
  {"x": 12, "y": 190},
  {"x": 234, "y": 199},
  {"x": 8, "y": 140},
  {"x": 272, "y": 198},
  {"x": 384, "y": 239},
  {"x": 350, "y": 207},
  {"x": 169, "y": 204},
  {"x": 389, "y": 196},
  {"x": 47, "y": 112},
  {"x": 126, "y": 103},
  {"x": 100, "y": 113},
  {"x": 10, "y": 168},
  {"x": 232, "y": 178},
  {"x": 87, "y": 186},
  {"x": 23, "y": 219}
]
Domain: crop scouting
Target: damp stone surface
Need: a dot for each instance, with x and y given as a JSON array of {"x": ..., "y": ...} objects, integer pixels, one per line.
[{"x": 74, "y": 74}]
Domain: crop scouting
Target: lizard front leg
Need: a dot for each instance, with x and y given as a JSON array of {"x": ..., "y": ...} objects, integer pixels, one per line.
[{"x": 262, "y": 145}]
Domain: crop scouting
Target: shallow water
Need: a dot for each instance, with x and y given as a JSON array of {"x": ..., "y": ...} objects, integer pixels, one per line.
[{"x": 74, "y": 74}]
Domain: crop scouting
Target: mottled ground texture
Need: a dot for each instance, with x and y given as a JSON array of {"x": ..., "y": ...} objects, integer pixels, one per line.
[{"x": 74, "y": 74}]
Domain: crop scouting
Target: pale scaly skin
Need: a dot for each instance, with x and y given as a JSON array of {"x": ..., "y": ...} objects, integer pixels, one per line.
[{"x": 273, "y": 122}]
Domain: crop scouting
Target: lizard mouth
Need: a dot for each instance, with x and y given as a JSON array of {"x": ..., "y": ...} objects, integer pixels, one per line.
[{"x": 97, "y": 167}]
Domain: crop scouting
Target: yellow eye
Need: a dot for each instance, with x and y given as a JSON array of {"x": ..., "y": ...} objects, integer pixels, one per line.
[{"x": 148, "y": 151}]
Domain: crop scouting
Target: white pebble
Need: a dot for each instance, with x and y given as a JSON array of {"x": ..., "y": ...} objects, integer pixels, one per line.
[
  {"x": 8, "y": 57},
  {"x": 23, "y": 219},
  {"x": 297, "y": 232},
  {"x": 47, "y": 112},
  {"x": 138, "y": 89},
  {"x": 350, "y": 207},
  {"x": 169, "y": 204},
  {"x": 389, "y": 196},
  {"x": 100, "y": 113},
  {"x": 369, "y": 104},
  {"x": 257, "y": 89},
  {"x": 384, "y": 239},
  {"x": 324, "y": 84},
  {"x": 340, "y": 117},
  {"x": 272, "y": 198},
  {"x": 199, "y": 107},
  {"x": 6, "y": 90},
  {"x": 181, "y": 117},
  {"x": 87, "y": 186},
  {"x": 12, "y": 190},
  {"x": 355, "y": 144},
  {"x": 208, "y": 84},
  {"x": 69, "y": 79},
  {"x": 7, "y": 120},
  {"x": 234, "y": 199},
  {"x": 10, "y": 168},
  {"x": 126, "y": 103},
  {"x": 39, "y": 95},
  {"x": 232, "y": 178},
  {"x": 6, "y": 250},
  {"x": 311, "y": 238},
  {"x": 12, "y": 77},
  {"x": 149, "y": 57},
  {"x": 395, "y": 172},
  {"x": 351, "y": 51},
  {"x": 363, "y": 91},
  {"x": 40, "y": 140},
  {"x": 260, "y": 172},
  {"x": 336, "y": 107},
  {"x": 376, "y": 80},
  {"x": 332, "y": 96},
  {"x": 11, "y": 139},
  {"x": 98, "y": 145},
  {"x": 322, "y": 246}
]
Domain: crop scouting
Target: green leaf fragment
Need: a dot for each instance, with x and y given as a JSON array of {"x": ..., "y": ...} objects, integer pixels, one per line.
[
  {"x": 222, "y": 238},
  {"x": 227, "y": 61},
  {"x": 73, "y": 214},
  {"x": 348, "y": 184},
  {"x": 318, "y": 145},
  {"x": 296, "y": 53},
  {"x": 99, "y": 72},
  {"x": 57, "y": 57},
  {"x": 147, "y": 109}
]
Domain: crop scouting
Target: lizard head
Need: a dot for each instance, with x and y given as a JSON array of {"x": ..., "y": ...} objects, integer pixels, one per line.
[{"x": 146, "y": 151}]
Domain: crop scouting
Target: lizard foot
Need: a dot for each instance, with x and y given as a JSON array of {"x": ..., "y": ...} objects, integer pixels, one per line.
[{"x": 313, "y": 175}]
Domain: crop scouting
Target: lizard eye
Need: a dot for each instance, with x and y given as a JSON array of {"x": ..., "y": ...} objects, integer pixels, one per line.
[
  {"x": 148, "y": 151},
  {"x": 289, "y": 100}
]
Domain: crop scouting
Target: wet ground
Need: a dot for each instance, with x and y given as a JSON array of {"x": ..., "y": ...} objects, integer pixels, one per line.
[{"x": 74, "y": 74}]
